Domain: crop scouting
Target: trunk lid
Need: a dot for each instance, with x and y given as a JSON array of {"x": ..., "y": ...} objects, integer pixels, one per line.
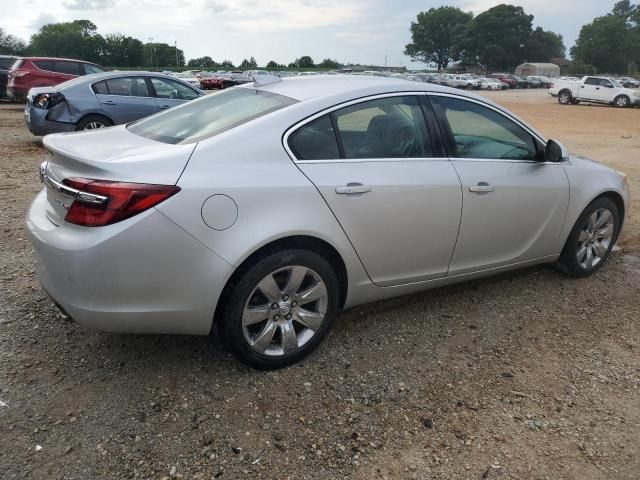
[{"x": 107, "y": 154}]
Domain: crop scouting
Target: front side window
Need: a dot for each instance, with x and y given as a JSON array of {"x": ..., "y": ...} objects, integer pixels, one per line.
[
  {"x": 480, "y": 132},
  {"x": 386, "y": 128},
  {"x": 592, "y": 81},
  {"x": 166, "y": 88},
  {"x": 209, "y": 115},
  {"x": 127, "y": 87},
  {"x": 315, "y": 141}
]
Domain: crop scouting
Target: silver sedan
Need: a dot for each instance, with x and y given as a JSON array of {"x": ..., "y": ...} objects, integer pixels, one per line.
[
  {"x": 261, "y": 211},
  {"x": 102, "y": 100}
]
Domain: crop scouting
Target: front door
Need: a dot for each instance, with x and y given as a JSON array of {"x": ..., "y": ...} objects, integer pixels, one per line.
[
  {"x": 170, "y": 93},
  {"x": 397, "y": 199},
  {"x": 514, "y": 204},
  {"x": 125, "y": 99}
]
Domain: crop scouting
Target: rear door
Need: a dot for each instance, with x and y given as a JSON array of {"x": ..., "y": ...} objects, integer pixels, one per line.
[
  {"x": 381, "y": 171},
  {"x": 169, "y": 93},
  {"x": 125, "y": 99},
  {"x": 514, "y": 203}
]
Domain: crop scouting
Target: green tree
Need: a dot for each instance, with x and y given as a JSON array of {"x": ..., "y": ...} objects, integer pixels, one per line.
[
  {"x": 498, "y": 38},
  {"x": 607, "y": 43},
  {"x": 543, "y": 45},
  {"x": 227, "y": 64},
  {"x": 245, "y": 64},
  {"x": 11, "y": 45},
  {"x": 77, "y": 39},
  {"x": 273, "y": 65},
  {"x": 158, "y": 55},
  {"x": 329, "y": 63},
  {"x": 253, "y": 63},
  {"x": 436, "y": 35},
  {"x": 305, "y": 62},
  {"x": 122, "y": 51},
  {"x": 205, "y": 61}
]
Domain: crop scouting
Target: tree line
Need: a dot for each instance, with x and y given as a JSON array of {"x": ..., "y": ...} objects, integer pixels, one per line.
[
  {"x": 497, "y": 39},
  {"x": 503, "y": 37}
]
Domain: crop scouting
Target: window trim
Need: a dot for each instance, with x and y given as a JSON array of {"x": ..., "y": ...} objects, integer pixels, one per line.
[
  {"x": 447, "y": 140},
  {"x": 105, "y": 80},
  {"x": 330, "y": 111}
]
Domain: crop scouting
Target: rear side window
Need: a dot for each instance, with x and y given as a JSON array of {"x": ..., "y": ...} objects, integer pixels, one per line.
[
  {"x": 90, "y": 68},
  {"x": 44, "y": 65},
  {"x": 209, "y": 115},
  {"x": 315, "y": 141},
  {"x": 6, "y": 62},
  {"x": 100, "y": 88},
  {"x": 68, "y": 68},
  {"x": 593, "y": 81},
  {"x": 127, "y": 87}
]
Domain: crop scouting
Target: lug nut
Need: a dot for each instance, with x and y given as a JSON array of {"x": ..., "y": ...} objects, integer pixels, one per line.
[
  {"x": 274, "y": 306},
  {"x": 294, "y": 304},
  {"x": 288, "y": 317},
  {"x": 285, "y": 297},
  {"x": 277, "y": 317}
]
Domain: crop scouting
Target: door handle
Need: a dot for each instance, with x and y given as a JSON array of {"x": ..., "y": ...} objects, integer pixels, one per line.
[
  {"x": 109, "y": 102},
  {"x": 164, "y": 107},
  {"x": 482, "y": 187},
  {"x": 353, "y": 189}
]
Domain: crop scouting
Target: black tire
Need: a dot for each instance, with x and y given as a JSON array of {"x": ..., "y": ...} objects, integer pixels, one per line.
[
  {"x": 568, "y": 261},
  {"x": 622, "y": 101},
  {"x": 230, "y": 321},
  {"x": 565, "y": 97},
  {"x": 85, "y": 122}
]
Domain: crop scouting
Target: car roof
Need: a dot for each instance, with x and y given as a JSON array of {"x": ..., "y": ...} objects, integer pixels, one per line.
[
  {"x": 97, "y": 77},
  {"x": 57, "y": 59},
  {"x": 320, "y": 86}
]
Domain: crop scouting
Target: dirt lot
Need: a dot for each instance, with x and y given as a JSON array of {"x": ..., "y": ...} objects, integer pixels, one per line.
[{"x": 528, "y": 375}]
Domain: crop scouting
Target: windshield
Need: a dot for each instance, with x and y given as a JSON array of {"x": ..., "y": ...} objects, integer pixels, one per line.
[
  {"x": 209, "y": 115},
  {"x": 616, "y": 83}
]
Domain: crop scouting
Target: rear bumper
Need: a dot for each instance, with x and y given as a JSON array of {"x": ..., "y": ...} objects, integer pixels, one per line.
[
  {"x": 142, "y": 275},
  {"x": 36, "y": 121}
]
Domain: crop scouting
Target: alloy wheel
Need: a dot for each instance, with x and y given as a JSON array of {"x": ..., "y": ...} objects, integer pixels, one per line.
[
  {"x": 93, "y": 125},
  {"x": 284, "y": 311},
  {"x": 595, "y": 238}
]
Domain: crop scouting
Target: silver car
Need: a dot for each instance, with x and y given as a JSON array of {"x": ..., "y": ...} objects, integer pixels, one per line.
[
  {"x": 261, "y": 211},
  {"x": 103, "y": 99}
]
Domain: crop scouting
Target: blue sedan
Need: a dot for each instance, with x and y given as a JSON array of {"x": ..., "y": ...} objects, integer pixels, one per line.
[{"x": 102, "y": 100}]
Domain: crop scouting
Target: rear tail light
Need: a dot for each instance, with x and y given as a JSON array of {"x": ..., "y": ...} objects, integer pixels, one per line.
[
  {"x": 48, "y": 100},
  {"x": 101, "y": 202}
]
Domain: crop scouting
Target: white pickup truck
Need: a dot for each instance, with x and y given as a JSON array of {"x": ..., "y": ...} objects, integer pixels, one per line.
[{"x": 596, "y": 90}]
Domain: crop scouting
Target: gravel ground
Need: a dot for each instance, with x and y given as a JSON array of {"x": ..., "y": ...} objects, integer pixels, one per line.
[{"x": 523, "y": 375}]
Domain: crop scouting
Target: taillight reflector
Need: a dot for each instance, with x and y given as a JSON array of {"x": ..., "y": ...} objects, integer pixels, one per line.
[{"x": 124, "y": 200}]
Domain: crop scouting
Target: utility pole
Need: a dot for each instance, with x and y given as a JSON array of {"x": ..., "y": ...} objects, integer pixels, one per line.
[{"x": 150, "y": 39}]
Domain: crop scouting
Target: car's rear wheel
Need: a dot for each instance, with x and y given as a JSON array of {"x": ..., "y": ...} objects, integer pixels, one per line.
[
  {"x": 564, "y": 98},
  {"x": 591, "y": 239},
  {"x": 91, "y": 122},
  {"x": 280, "y": 308},
  {"x": 622, "y": 101}
]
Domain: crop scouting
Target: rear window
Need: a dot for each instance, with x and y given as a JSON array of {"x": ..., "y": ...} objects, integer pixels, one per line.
[
  {"x": 45, "y": 65},
  {"x": 69, "y": 68},
  {"x": 209, "y": 115}
]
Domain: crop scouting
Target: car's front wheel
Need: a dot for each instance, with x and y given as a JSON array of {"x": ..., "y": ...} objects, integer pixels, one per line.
[
  {"x": 279, "y": 309},
  {"x": 591, "y": 239}
]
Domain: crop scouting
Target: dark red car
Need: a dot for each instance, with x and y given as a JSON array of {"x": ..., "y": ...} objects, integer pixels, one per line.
[
  {"x": 29, "y": 72},
  {"x": 506, "y": 78},
  {"x": 210, "y": 81}
]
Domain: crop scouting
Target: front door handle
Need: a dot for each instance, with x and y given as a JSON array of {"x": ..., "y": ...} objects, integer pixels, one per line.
[
  {"x": 482, "y": 187},
  {"x": 164, "y": 107},
  {"x": 353, "y": 189}
]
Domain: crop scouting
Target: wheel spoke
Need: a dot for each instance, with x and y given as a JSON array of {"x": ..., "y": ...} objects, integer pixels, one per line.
[
  {"x": 311, "y": 320},
  {"x": 581, "y": 253},
  {"x": 264, "y": 339},
  {"x": 605, "y": 216},
  {"x": 599, "y": 249},
  {"x": 312, "y": 293},
  {"x": 589, "y": 258},
  {"x": 253, "y": 315},
  {"x": 605, "y": 232},
  {"x": 593, "y": 219},
  {"x": 289, "y": 338},
  {"x": 583, "y": 236},
  {"x": 269, "y": 288},
  {"x": 296, "y": 277}
]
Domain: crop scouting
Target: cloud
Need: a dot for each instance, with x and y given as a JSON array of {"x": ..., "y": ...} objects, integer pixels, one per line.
[
  {"x": 215, "y": 6},
  {"x": 88, "y": 4},
  {"x": 42, "y": 20}
]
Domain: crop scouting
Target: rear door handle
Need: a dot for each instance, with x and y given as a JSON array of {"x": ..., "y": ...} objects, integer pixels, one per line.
[
  {"x": 353, "y": 189},
  {"x": 109, "y": 102},
  {"x": 164, "y": 107},
  {"x": 482, "y": 187}
]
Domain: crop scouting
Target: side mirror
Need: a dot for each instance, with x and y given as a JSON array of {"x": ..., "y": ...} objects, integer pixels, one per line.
[{"x": 555, "y": 152}]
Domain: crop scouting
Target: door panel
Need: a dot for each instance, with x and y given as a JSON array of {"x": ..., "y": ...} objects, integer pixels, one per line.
[
  {"x": 518, "y": 217},
  {"x": 128, "y": 99},
  {"x": 404, "y": 228}
]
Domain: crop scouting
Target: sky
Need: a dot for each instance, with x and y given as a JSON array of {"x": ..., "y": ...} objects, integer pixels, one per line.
[{"x": 350, "y": 31}]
